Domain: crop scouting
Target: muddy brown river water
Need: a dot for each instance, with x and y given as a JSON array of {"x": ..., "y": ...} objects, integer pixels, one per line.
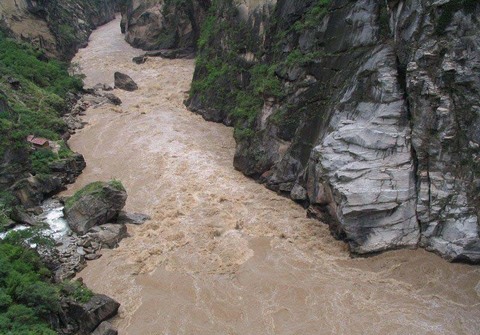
[{"x": 222, "y": 254}]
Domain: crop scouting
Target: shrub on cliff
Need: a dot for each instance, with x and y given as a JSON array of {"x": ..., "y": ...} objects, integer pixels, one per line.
[{"x": 27, "y": 298}]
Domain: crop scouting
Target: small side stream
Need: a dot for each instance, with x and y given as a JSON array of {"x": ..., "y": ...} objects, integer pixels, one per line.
[{"x": 52, "y": 215}]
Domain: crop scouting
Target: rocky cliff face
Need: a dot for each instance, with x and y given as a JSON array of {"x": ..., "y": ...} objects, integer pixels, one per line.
[
  {"x": 364, "y": 111},
  {"x": 163, "y": 24},
  {"x": 36, "y": 91},
  {"x": 59, "y": 27}
]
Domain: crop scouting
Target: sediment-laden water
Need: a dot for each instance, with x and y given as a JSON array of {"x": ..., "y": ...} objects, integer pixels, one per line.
[{"x": 224, "y": 255}]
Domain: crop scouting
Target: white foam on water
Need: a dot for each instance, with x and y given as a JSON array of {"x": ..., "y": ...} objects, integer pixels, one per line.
[
  {"x": 16, "y": 228},
  {"x": 53, "y": 216}
]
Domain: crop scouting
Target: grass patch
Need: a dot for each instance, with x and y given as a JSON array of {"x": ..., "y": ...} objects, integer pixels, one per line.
[
  {"x": 94, "y": 189},
  {"x": 77, "y": 291}
]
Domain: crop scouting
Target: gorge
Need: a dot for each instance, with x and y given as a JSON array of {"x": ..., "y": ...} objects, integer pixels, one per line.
[{"x": 363, "y": 112}]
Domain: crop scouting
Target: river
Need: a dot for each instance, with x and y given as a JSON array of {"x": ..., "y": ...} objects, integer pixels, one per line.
[{"x": 224, "y": 255}]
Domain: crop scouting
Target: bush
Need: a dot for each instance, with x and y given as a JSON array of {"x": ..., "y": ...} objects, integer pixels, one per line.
[{"x": 27, "y": 299}]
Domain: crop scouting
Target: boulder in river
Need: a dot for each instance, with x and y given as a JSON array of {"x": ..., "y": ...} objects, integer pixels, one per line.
[
  {"x": 95, "y": 204},
  {"x": 105, "y": 328},
  {"x": 108, "y": 235},
  {"x": 124, "y": 82}
]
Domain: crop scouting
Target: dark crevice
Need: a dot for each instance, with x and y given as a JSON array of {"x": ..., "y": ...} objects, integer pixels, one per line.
[{"x": 402, "y": 80}]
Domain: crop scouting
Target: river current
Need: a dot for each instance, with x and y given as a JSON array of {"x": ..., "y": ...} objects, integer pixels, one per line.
[{"x": 222, "y": 254}]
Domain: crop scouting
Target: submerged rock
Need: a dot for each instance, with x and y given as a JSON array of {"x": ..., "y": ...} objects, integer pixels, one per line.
[
  {"x": 132, "y": 218},
  {"x": 95, "y": 204},
  {"x": 124, "y": 82}
]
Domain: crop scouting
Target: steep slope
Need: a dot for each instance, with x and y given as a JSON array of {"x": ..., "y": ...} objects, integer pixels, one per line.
[
  {"x": 59, "y": 27},
  {"x": 159, "y": 24},
  {"x": 36, "y": 90}
]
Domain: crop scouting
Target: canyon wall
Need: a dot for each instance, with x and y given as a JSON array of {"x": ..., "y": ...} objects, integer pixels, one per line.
[
  {"x": 366, "y": 112},
  {"x": 163, "y": 24},
  {"x": 59, "y": 27},
  {"x": 36, "y": 90}
]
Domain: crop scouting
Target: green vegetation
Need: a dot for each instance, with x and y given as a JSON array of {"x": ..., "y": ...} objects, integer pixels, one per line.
[
  {"x": 95, "y": 189},
  {"x": 238, "y": 88},
  {"x": 29, "y": 301},
  {"x": 224, "y": 80},
  {"x": 77, "y": 291},
  {"x": 67, "y": 34},
  {"x": 36, "y": 106},
  {"x": 27, "y": 298},
  {"x": 312, "y": 16},
  {"x": 6, "y": 204}
]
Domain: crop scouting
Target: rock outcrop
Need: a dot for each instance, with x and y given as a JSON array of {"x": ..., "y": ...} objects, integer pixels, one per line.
[
  {"x": 58, "y": 27},
  {"x": 88, "y": 316},
  {"x": 96, "y": 204},
  {"x": 163, "y": 24},
  {"x": 364, "y": 111}
]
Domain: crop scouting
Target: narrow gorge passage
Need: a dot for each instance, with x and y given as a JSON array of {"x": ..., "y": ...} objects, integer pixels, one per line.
[{"x": 224, "y": 255}]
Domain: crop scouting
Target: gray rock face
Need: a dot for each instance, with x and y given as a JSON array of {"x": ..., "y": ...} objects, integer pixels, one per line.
[
  {"x": 33, "y": 190},
  {"x": 55, "y": 26},
  {"x": 90, "y": 315},
  {"x": 95, "y": 204},
  {"x": 160, "y": 24},
  {"x": 443, "y": 84},
  {"x": 124, "y": 82},
  {"x": 105, "y": 328},
  {"x": 378, "y": 124},
  {"x": 108, "y": 235}
]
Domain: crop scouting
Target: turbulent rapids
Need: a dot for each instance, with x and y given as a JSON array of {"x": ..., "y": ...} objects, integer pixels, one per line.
[{"x": 222, "y": 254}]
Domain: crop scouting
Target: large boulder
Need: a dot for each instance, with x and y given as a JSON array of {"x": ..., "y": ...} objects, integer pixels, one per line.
[
  {"x": 95, "y": 204},
  {"x": 88, "y": 316},
  {"x": 124, "y": 82}
]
